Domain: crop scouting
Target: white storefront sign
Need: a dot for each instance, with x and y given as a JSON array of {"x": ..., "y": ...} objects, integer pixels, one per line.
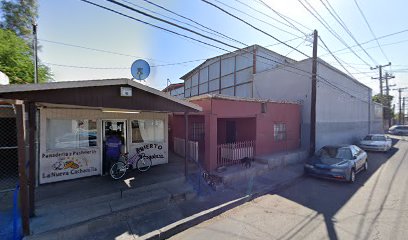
[
  {"x": 69, "y": 164},
  {"x": 157, "y": 152}
]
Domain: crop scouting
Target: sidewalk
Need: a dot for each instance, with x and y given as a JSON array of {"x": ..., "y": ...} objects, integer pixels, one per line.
[{"x": 173, "y": 217}]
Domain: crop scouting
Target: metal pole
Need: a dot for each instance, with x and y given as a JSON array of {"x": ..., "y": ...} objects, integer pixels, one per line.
[
  {"x": 186, "y": 145},
  {"x": 403, "y": 111},
  {"x": 22, "y": 169},
  {"x": 35, "y": 53},
  {"x": 400, "y": 107},
  {"x": 381, "y": 82},
  {"x": 313, "y": 99}
]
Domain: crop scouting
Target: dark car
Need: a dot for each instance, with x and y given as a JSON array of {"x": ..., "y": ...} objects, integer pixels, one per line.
[{"x": 340, "y": 162}]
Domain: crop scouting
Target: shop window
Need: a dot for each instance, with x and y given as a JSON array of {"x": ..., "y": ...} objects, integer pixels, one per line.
[
  {"x": 279, "y": 132},
  {"x": 71, "y": 133},
  {"x": 147, "y": 131},
  {"x": 197, "y": 132}
]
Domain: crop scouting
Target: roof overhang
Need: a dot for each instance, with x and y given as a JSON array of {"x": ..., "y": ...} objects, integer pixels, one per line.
[{"x": 98, "y": 93}]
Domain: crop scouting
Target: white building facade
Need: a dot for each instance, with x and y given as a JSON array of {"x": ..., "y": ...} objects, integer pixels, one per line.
[{"x": 344, "y": 108}]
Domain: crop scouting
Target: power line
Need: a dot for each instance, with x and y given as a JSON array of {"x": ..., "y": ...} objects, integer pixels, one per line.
[
  {"x": 266, "y": 15},
  {"x": 251, "y": 16},
  {"x": 334, "y": 56},
  {"x": 232, "y": 15},
  {"x": 152, "y": 25},
  {"x": 184, "y": 28},
  {"x": 283, "y": 64},
  {"x": 94, "y": 49},
  {"x": 189, "y": 19},
  {"x": 106, "y": 8},
  {"x": 344, "y": 26},
  {"x": 170, "y": 23},
  {"x": 86, "y": 67},
  {"x": 290, "y": 40},
  {"x": 384, "y": 45},
  {"x": 285, "y": 18},
  {"x": 372, "y": 40},
  {"x": 327, "y": 26},
  {"x": 371, "y": 30}
]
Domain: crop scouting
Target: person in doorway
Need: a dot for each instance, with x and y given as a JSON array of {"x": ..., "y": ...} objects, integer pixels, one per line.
[{"x": 113, "y": 146}]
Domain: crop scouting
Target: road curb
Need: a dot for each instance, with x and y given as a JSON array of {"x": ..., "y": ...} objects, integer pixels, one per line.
[{"x": 179, "y": 226}]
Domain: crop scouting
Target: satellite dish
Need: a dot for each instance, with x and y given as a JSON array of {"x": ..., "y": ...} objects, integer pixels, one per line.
[{"x": 140, "y": 69}]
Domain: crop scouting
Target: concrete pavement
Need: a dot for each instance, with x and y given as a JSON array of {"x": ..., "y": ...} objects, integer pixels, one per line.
[
  {"x": 171, "y": 219},
  {"x": 374, "y": 207}
]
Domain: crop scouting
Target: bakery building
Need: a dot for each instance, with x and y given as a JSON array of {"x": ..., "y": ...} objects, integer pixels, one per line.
[{"x": 68, "y": 125}]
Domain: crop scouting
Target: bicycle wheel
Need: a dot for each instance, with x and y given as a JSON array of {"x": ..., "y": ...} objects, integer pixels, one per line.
[
  {"x": 118, "y": 170},
  {"x": 143, "y": 164}
]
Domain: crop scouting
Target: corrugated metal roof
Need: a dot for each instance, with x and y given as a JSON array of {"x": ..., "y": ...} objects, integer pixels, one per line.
[
  {"x": 15, "y": 88},
  {"x": 234, "y": 98}
]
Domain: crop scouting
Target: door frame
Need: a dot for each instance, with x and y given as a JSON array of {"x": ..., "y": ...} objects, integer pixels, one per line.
[{"x": 125, "y": 138}]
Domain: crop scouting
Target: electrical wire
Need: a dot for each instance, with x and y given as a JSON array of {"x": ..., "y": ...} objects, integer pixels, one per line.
[
  {"x": 283, "y": 64},
  {"x": 152, "y": 25},
  {"x": 260, "y": 12},
  {"x": 170, "y": 23},
  {"x": 344, "y": 26},
  {"x": 254, "y": 27},
  {"x": 327, "y": 48},
  {"x": 210, "y": 31},
  {"x": 371, "y": 30},
  {"x": 327, "y": 26},
  {"x": 372, "y": 40},
  {"x": 285, "y": 18},
  {"x": 384, "y": 45}
]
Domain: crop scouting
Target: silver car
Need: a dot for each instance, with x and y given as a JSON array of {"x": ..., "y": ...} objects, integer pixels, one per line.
[
  {"x": 376, "y": 142},
  {"x": 398, "y": 130}
]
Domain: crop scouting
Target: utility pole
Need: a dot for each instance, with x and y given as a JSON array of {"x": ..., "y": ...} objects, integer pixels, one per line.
[
  {"x": 400, "y": 107},
  {"x": 379, "y": 67},
  {"x": 403, "y": 111},
  {"x": 35, "y": 53},
  {"x": 387, "y": 91},
  {"x": 313, "y": 99}
]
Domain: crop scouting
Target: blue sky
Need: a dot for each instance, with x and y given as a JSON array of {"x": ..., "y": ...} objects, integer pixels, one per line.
[{"x": 77, "y": 23}]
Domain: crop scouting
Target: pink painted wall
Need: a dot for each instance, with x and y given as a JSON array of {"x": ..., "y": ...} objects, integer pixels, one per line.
[
  {"x": 251, "y": 124},
  {"x": 245, "y": 129}
]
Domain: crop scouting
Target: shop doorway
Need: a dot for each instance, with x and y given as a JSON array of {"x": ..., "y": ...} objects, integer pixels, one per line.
[{"x": 114, "y": 142}]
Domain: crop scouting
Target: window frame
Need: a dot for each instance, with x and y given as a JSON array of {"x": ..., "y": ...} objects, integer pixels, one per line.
[
  {"x": 163, "y": 140},
  {"x": 77, "y": 134},
  {"x": 279, "y": 132}
]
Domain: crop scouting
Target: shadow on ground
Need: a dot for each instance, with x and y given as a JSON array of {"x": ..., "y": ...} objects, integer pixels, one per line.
[{"x": 327, "y": 197}]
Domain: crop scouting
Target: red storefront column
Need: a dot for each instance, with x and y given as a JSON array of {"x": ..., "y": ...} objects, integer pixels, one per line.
[{"x": 210, "y": 142}]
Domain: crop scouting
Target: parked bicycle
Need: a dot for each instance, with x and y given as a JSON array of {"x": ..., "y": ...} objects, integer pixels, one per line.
[{"x": 142, "y": 162}]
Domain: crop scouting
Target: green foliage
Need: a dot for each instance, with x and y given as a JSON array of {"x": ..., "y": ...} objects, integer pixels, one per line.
[
  {"x": 18, "y": 16},
  {"x": 16, "y": 60},
  {"x": 385, "y": 100}
]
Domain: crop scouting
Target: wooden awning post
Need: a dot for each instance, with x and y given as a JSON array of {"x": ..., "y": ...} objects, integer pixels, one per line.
[
  {"x": 186, "y": 145},
  {"x": 22, "y": 169},
  {"x": 32, "y": 155}
]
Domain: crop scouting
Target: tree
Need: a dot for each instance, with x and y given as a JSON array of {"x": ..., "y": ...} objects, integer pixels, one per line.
[
  {"x": 16, "y": 60},
  {"x": 18, "y": 16},
  {"x": 16, "y": 55},
  {"x": 385, "y": 100}
]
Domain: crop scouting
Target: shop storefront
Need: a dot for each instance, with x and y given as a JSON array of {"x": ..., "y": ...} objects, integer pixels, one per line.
[
  {"x": 77, "y": 143},
  {"x": 81, "y": 127}
]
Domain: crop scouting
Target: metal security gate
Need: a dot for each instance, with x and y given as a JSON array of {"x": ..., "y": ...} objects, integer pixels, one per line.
[{"x": 8, "y": 149}]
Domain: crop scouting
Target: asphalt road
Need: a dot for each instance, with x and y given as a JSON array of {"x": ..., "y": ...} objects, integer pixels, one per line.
[{"x": 374, "y": 207}]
